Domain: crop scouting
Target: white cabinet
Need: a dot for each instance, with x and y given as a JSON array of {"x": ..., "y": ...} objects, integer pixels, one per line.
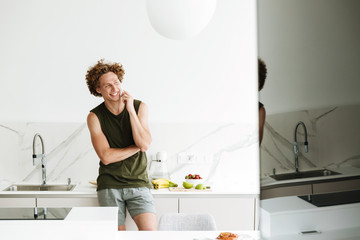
[
  {"x": 162, "y": 205},
  {"x": 229, "y": 213},
  {"x": 17, "y": 202},
  {"x": 68, "y": 202}
]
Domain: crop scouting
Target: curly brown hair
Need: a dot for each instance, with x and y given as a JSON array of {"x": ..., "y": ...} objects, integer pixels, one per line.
[
  {"x": 96, "y": 71},
  {"x": 262, "y": 73}
]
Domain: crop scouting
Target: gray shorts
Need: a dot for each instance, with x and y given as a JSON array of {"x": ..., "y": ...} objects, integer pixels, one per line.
[{"x": 136, "y": 200}]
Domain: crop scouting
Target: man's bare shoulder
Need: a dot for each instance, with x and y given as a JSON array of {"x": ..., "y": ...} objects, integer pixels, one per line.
[
  {"x": 92, "y": 120},
  {"x": 91, "y": 116},
  {"x": 143, "y": 105}
]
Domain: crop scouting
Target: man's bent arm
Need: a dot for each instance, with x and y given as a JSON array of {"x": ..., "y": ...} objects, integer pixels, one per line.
[
  {"x": 140, "y": 127},
  {"x": 102, "y": 148},
  {"x": 262, "y": 115}
]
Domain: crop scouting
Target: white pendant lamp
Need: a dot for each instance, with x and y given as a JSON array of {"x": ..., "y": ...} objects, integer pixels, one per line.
[{"x": 180, "y": 19}]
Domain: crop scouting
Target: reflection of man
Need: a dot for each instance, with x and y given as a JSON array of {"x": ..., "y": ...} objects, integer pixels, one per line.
[
  {"x": 120, "y": 136},
  {"x": 262, "y": 76}
]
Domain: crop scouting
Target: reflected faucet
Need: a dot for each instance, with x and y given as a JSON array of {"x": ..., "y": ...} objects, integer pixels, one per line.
[
  {"x": 42, "y": 155},
  {"x": 296, "y": 149}
]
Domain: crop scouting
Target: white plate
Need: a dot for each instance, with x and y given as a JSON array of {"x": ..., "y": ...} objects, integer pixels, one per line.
[{"x": 214, "y": 236}]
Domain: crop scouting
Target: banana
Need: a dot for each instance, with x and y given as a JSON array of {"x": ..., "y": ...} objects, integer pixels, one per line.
[
  {"x": 163, "y": 183},
  {"x": 160, "y": 180}
]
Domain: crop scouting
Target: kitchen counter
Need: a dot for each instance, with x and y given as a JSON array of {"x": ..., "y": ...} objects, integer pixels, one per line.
[
  {"x": 80, "y": 190},
  {"x": 80, "y": 223},
  {"x": 89, "y": 190},
  {"x": 346, "y": 172},
  {"x": 84, "y": 195}
]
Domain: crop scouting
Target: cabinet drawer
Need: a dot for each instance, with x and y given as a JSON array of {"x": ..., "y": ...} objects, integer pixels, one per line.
[
  {"x": 339, "y": 186},
  {"x": 68, "y": 202},
  {"x": 286, "y": 191},
  {"x": 17, "y": 202},
  {"x": 229, "y": 213}
]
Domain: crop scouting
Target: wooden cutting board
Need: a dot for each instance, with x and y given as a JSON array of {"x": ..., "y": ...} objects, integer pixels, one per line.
[{"x": 181, "y": 189}]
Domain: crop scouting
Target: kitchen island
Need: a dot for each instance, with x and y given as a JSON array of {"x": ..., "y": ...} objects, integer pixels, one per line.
[
  {"x": 80, "y": 223},
  {"x": 295, "y": 218},
  {"x": 312, "y": 208}
]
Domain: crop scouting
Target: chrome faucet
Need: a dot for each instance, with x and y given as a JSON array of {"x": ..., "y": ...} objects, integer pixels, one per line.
[
  {"x": 42, "y": 155},
  {"x": 296, "y": 149}
]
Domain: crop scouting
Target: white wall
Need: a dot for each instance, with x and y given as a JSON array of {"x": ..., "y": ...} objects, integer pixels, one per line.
[
  {"x": 312, "y": 51},
  {"x": 47, "y": 46}
]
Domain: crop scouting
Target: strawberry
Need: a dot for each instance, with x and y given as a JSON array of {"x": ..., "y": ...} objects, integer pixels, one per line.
[{"x": 193, "y": 176}]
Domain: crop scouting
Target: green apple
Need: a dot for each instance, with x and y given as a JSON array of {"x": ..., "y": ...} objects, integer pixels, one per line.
[
  {"x": 200, "y": 186},
  {"x": 187, "y": 185}
]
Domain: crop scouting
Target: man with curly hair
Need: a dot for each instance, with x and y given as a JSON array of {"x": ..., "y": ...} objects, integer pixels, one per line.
[
  {"x": 120, "y": 136},
  {"x": 261, "y": 80}
]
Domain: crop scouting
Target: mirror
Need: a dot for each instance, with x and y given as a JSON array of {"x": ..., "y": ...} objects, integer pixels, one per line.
[{"x": 312, "y": 53}]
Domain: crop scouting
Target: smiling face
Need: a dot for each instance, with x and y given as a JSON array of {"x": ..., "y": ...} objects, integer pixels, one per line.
[{"x": 109, "y": 87}]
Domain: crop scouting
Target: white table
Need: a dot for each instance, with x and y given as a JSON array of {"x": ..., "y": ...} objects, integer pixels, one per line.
[
  {"x": 182, "y": 235},
  {"x": 82, "y": 223}
]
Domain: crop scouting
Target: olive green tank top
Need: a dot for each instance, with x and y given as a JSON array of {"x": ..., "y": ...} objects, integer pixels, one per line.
[{"x": 130, "y": 172}]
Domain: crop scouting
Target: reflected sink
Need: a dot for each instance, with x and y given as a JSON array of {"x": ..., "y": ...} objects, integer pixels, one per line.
[
  {"x": 41, "y": 187},
  {"x": 307, "y": 174}
]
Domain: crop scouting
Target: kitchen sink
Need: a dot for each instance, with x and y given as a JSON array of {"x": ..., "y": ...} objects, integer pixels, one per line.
[
  {"x": 307, "y": 174},
  {"x": 41, "y": 187}
]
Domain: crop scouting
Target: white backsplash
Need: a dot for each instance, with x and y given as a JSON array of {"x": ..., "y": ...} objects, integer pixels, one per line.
[
  {"x": 333, "y": 136},
  {"x": 231, "y": 153},
  {"x": 67, "y": 147}
]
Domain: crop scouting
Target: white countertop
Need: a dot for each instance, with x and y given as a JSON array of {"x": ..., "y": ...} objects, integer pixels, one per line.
[
  {"x": 184, "y": 235},
  {"x": 81, "y": 223},
  {"x": 89, "y": 190},
  {"x": 285, "y": 205},
  {"x": 266, "y": 181},
  {"x": 80, "y": 190}
]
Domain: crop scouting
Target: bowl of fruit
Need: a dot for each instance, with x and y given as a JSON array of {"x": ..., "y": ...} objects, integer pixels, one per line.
[{"x": 194, "y": 179}]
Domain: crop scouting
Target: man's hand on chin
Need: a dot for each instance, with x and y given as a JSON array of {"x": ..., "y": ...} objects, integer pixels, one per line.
[{"x": 129, "y": 101}]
